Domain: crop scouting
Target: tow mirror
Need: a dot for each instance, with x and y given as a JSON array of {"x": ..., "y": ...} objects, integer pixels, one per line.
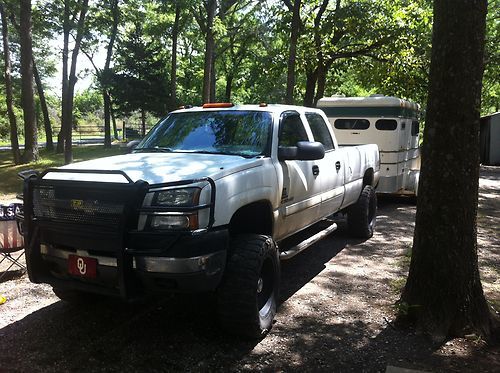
[{"x": 303, "y": 151}]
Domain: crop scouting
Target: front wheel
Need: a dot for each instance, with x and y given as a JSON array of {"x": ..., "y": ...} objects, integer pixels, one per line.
[
  {"x": 361, "y": 216},
  {"x": 247, "y": 297}
]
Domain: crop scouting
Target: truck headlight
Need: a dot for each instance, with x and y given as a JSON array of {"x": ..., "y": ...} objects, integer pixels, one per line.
[
  {"x": 174, "y": 222},
  {"x": 177, "y": 197}
]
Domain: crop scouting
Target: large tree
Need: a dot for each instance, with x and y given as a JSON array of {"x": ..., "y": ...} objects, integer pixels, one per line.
[
  {"x": 443, "y": 292},
  {"x": 140, "y": 80},
  {"x": 27, "y": 98},
  {"x": 106, "y": 16},
  {"x": 295, "y": 26},
  {"x": 74, "y": 17},
  {"x": 47, "y": 68},
  {"x": 14, "y": 142}
]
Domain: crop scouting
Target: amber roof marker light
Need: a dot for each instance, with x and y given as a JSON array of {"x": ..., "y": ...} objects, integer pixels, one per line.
[{"x": 215, "y": 105}]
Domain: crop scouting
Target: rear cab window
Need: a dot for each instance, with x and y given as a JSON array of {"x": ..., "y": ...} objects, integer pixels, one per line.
[{"x": 320, "y": 131}]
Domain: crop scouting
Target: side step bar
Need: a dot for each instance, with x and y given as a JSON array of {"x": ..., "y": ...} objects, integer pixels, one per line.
[{"x": 291, "y": 252}]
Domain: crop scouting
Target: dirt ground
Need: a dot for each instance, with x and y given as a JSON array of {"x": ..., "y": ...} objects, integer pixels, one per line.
[{"x": 335, "y": 315}]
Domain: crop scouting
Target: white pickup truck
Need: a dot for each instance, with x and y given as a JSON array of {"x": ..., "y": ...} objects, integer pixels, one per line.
[{"x": 203, "y": 203}]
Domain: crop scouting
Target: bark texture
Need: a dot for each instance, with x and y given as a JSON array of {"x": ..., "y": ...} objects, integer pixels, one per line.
[
  {"x": 27, "y": 97},
  {"x": 173, "y": 68},
  {"x": 443, "y": 290},
  {"x": 69, "y": 79},
  {"x": 208, "y": 70},
  {"x": 49, "y": 144},
  {"x": 105, "y": 74},
  {"x": 14, "y": 142},
  {"x": 292, "y": 53}
]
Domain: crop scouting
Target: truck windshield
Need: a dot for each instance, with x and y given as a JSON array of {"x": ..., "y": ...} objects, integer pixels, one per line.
[{"x": 238, "y": 132}]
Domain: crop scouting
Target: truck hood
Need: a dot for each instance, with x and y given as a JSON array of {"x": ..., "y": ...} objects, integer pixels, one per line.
[{"x": 156, "y": 168}]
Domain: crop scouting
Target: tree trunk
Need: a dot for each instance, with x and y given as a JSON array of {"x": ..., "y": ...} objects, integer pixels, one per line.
[
  {"x": 107, "y": 116},
  {"x": 320, "y": 91},
  {"x": 292, "y": 54},
  {"x": 311, "y": 78},
  {"x": 143, "y": 122},
  {"x": 105, "y": 75},
  {"x": 68, "y": 124},
  {"x": 64, "y": 95},
  {"x": 27, "y": 98},
  {"x": 113, "y": 120},
  {"x": 209, "y": 52},
  {"x": 49, "y": 144},
  {"x": 443, "y": 291},
  {"x": 173, "y": 69},
  {"x": 14, "y": 142},
  {"x": 229, "y": 84}
]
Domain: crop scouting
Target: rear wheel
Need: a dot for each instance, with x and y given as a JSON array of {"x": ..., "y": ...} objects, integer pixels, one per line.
[
  {"x": 361, "y": 217},
  {"x": 247, "y": 296}
]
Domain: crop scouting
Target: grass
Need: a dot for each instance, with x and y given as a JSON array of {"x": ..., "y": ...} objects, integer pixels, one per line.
[{"x": 11, "y": 184}]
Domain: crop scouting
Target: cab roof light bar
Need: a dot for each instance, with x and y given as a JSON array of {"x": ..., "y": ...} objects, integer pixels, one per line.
[{"x": 215, "y": 105}]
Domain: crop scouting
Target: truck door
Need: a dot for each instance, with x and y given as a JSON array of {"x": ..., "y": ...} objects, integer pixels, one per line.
[
  {"x": 301, "y": 193},
  {"x": 331, "y": 168}
]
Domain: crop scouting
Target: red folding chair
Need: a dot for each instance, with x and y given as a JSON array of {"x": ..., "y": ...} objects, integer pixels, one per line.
[{"x": 11, "y": 240}]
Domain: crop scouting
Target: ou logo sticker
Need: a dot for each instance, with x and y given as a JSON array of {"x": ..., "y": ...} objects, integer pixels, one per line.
[{"x": 82, "y": 266}]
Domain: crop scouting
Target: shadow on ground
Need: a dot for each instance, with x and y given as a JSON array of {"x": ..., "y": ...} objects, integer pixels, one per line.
[{"x": 180, "y": 333}]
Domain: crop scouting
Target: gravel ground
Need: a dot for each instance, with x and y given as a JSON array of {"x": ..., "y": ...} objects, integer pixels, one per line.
[{"x": 336, "y": 309}]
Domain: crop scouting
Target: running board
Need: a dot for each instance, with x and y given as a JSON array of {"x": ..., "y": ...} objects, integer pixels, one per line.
[{"x": 290, "y": 253}]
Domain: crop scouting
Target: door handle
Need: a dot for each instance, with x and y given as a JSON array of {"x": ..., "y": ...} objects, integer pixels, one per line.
[
  {"x": 337, "y": 165},
  {"x": 315, "y": 170}
]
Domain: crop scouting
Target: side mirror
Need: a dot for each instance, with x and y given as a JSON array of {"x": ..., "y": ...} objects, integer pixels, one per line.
[
  {"x": 131, "y": 145},
  {"x": 303, "y": 151}
]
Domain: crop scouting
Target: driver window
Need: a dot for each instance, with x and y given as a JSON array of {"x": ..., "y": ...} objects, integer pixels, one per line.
[{"x": 291, "y": 130}]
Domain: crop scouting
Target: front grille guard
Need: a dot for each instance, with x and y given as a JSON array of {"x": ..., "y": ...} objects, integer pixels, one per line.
[{"x": 37, "y": 268}]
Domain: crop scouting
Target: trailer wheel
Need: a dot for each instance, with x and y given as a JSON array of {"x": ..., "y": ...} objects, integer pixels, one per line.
[
  {"x": 361, "y": 216},
  {"x": 248, "y": 294}
]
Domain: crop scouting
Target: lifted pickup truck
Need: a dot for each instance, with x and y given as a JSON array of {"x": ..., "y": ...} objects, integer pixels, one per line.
[{"x": 205, "y": 202}]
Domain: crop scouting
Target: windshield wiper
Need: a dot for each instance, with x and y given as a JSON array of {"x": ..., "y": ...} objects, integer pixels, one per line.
[
  {"x": 153, "y": 150},
  {"x": 226, "y": 153}
]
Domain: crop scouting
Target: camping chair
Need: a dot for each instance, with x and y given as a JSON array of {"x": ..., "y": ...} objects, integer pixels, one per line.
[{"x": 11, "y": 241}]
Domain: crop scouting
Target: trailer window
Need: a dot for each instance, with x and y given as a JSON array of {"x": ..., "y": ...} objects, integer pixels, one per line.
[
  {"x": 415, "y": 128},
  {"x": 386, "y": 124},
  {"x": 352, "y": 124},
  {"x": 320, "y": 130}
]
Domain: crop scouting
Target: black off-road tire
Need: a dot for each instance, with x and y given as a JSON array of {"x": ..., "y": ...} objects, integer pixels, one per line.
[
  {"x": 248, "y": 294},
  {"x": 362, "y": 216}
]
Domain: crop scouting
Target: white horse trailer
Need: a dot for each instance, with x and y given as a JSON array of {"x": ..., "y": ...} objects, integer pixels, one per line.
[{"x": 392, "y": 124}]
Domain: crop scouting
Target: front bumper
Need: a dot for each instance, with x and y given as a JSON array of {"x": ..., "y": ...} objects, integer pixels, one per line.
[{"x": 145, "y": 275}]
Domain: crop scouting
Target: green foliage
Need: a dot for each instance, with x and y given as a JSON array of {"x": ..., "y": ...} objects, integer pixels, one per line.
[
  {"x": 491, "y": 80},
  {"x": 139, "y": 80},
  {"x": 368, "y": 46},
  {"x": 88, "y": 106}
]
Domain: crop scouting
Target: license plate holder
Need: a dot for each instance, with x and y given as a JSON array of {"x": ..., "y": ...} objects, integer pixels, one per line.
[{"x": 82, "y": 266}]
